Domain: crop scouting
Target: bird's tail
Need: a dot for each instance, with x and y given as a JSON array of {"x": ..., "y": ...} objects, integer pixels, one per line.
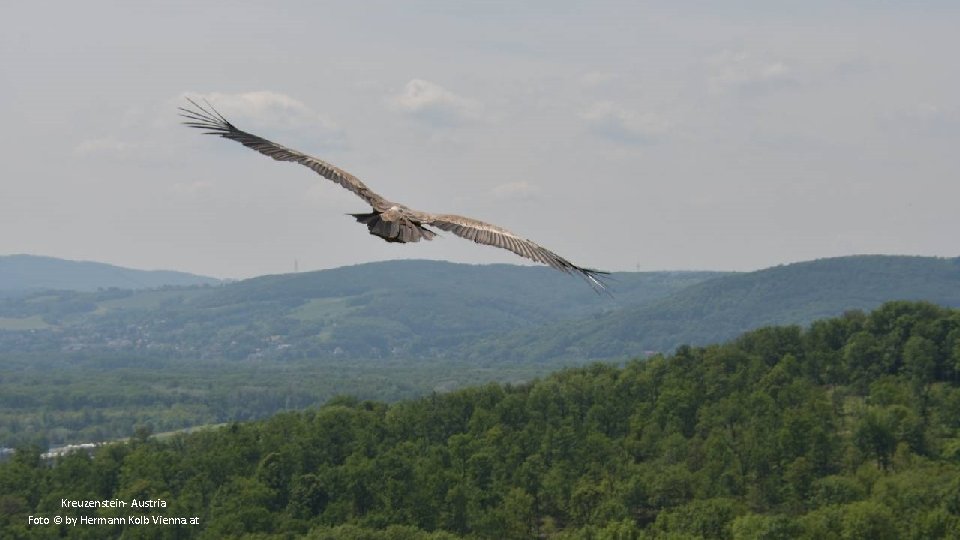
[{"x": 402, "y": 230}]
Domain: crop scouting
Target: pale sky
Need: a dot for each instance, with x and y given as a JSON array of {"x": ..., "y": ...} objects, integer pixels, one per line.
[{"x": 622, "y": 135}]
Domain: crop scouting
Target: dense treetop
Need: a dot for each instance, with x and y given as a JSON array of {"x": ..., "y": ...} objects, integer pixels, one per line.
[{"x": 845, "y": 429}]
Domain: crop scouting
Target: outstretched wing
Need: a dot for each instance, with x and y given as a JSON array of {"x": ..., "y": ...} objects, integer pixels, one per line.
[
  {"x": 215, "y": 124},
  {"x": 491, "y": 235}
]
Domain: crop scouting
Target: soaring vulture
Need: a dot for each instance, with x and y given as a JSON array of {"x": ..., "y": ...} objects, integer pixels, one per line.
[{"x": 391, "y": 221}]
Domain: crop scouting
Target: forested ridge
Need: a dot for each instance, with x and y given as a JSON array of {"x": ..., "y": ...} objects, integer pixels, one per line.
[
  {"x": 719, "y": 309},
  {"x": 79, "y": 367},
  {"x": 410, "y": 309},
  {"x": 83, "y": 367},
  {"x": 845, "y": 429}
]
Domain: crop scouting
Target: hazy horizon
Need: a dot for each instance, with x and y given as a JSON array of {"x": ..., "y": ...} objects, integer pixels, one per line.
[{"x": 294, "y": 269}]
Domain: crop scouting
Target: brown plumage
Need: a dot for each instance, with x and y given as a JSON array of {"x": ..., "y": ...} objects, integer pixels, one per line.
[{"x": 391, "y": 221}]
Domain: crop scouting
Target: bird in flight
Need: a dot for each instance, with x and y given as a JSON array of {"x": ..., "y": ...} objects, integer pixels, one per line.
[{"x": 389, "y": 220}]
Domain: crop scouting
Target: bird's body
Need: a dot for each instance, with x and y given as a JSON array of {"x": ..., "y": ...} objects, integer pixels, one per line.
[{"x": 390, "y": 221}]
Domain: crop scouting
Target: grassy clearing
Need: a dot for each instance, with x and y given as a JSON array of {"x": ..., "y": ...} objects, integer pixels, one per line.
[{"x": 320, "y": 309}]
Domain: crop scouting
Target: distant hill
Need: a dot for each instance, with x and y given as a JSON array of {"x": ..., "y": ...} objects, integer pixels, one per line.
[
  {"x": 720, "y": 309},
  {"x": 182, "y": 356},
  {"x": 482, "y": 313},
  {"x": 403, "y": 309},
  {"x": 24, "y": 273},
  {"x": 176, "y": 357}
]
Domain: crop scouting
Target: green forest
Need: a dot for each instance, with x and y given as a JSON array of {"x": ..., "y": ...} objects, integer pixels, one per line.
[
  {"x": 50, "y": 402},
  {"x": 847, "y": 428},
  {"x": 90, "y": 366}
]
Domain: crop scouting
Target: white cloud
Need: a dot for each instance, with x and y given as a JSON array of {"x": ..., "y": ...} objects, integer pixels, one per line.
[
  {"x": 191, "y": 189},
  {"x": 746, "y": 74},
  {"x": 435, "y": 104},
  {"x": 616, "y": 122},
  {"x": 521, "y": 190},
  {"x": 104, "y": 146}
]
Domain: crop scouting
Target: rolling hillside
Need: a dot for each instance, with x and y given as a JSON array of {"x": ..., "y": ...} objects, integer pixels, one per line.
[
  {"x": 173, "y": 358},
  {"x": 179, "y": 357},
  {"x": 719, "y": 309},
  {"x": 492, "y": 313},
  {"x": 407, "y": 309},
  {"x": 21, "y": 274}
]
